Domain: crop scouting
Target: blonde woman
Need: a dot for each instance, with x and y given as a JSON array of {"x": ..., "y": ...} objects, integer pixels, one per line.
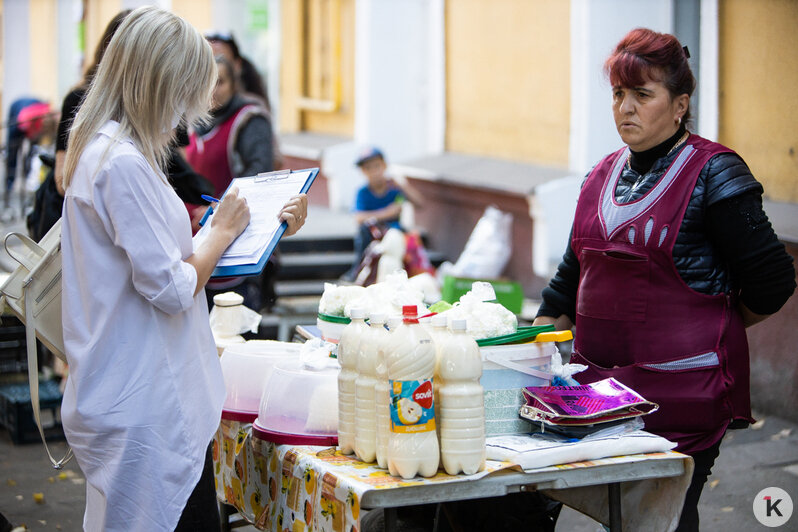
[{"x": 145, "y": 389}]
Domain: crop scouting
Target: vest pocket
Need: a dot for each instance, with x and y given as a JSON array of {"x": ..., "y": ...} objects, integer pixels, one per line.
[
  {"x": 690, "y": 391},
  {"x": 613, "y": 285}
]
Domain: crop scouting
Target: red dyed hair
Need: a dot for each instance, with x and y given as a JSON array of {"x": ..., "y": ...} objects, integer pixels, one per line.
[{"x": 644, "y": 55}]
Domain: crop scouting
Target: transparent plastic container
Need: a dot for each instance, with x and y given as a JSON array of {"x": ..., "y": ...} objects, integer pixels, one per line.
[
  {"x": 331, "y": 327},
  {"x": 246, "y": 368},
  {"x": 299, "y": 406}
]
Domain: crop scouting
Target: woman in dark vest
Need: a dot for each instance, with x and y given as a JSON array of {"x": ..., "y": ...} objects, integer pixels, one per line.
[
  {"x": 237, "y": 142},
  {"x": 671, "y": 257}
]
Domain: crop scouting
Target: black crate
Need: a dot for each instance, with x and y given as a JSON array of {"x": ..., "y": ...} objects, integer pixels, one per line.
[
  {"x": 16, "y": 412},
  {"x": 13, "y": 354}
]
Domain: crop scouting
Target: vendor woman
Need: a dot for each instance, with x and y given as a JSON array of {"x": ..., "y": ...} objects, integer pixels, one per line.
[{"x": 671, "y": 257}]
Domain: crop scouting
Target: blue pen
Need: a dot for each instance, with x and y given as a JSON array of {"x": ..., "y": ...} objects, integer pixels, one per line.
[{"x": 210, "y": 209}]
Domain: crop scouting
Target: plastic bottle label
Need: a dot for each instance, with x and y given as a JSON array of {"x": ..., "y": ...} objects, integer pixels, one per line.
[{"x": 412, "y": 406}]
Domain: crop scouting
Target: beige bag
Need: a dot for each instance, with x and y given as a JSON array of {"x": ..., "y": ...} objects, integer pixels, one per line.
[{"x": 33, "y": 293}]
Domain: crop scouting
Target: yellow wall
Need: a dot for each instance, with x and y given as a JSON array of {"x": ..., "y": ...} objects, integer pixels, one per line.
[
  {"x": 97, "y": 14},
  {"x": 758, "y": 76},
  {"x": 196, "y": 12},
  {"x": 43, "y": 44},
  {"x": 318, "y": 65},
  {"x": 508, "y": 79}
]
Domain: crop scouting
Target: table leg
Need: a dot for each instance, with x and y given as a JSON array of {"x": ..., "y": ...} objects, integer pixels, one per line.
[
  {"x": 615, "y": 506},
  {"x": 389, "y": 516}
]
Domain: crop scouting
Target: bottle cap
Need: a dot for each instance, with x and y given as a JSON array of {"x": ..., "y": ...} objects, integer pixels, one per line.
[
  {"x": 377, "y": 317},
  {"x": 439, "y": 320},
  {"x": 357, "y": 313},
  {"x": 459, "y": 324},
  {"x": 394, "y": 322},
  {"x": 409, "y": 311}
]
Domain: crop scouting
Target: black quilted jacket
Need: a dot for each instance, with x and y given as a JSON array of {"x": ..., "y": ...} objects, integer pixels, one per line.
[{"x": 725, "y": 243}]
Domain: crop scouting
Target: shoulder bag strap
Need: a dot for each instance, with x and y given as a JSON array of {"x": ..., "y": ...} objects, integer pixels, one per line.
[{"x": 33, "y": 378}]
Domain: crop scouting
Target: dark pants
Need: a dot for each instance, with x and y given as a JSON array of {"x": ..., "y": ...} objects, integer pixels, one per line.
[
  {"x": 201, "y": 513},
  {"x": 704, "y": 460}
]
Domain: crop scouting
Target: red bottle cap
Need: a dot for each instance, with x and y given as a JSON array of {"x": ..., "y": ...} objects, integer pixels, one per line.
[{"x": 410, "y": 314}]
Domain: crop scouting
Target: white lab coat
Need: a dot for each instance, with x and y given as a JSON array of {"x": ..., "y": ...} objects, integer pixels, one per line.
[{"x": 145, "y": 388}]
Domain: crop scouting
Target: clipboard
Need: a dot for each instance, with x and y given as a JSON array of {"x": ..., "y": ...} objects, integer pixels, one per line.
[{"x": 252, "y": 187}]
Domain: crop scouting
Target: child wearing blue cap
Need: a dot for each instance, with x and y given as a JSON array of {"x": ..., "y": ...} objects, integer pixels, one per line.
[{"x": 378, "y": 202}]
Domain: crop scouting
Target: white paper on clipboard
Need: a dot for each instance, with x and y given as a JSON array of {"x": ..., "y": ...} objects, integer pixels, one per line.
[{"x": 265, "y": 197}]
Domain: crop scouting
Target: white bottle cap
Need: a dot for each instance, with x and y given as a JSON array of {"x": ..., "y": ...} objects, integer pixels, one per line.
[
  {"x": 357, "y": 313},
  {"x": 459, "y": 324},
  {"x": 439, "y": 320},
  {"x": 394, "y": 322},
  {"x": 377, "y": 317}
]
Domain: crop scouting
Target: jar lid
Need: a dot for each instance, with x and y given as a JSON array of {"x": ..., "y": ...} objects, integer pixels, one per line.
[{"x": 228, "y": 299}]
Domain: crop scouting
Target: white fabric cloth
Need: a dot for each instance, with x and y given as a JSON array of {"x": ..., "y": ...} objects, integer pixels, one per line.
[{"x": 145, "y": 388}]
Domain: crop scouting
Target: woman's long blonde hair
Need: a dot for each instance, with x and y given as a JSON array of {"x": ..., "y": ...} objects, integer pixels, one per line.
[{"x": 155, "y": 67}]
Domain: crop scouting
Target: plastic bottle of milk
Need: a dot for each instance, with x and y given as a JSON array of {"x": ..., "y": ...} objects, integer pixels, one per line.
[
  {"x": 440, "y": 333},
  {"x": 347, "y": 356},
  {"x": 365, "y": 405},
  {"x": 412, "y": 446},
  {"x": 462, "y": 409},
  {"x": 382, "y": 392}
]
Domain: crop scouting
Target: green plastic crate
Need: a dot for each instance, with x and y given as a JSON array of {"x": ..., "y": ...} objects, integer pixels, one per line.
[{"x": 508, "y": 293}]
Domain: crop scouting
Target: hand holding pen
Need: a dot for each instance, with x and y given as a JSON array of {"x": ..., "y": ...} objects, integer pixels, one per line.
[{"x": 232, "y": 212}]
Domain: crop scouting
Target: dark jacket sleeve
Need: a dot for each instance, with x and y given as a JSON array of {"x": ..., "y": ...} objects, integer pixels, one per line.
[
  {"x": 254, "y": 146},
  {"x": 560, "y": 296},
  {"x": 69, "y": 109},
  {"x": 761, "y": 269}
]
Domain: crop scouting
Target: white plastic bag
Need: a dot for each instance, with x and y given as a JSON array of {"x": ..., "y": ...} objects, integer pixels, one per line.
[{"x": 488, "y": 248}]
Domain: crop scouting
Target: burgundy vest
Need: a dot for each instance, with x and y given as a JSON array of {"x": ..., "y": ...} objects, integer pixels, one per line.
[
  {"x": 637, "y": 320},
  {"x": 210, "y": 154}
]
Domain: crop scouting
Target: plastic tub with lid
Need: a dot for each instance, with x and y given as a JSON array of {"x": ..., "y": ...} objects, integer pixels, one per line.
[
  {"x": 509, "y": 368},
  {"x": 300, "y": 404},
  {"x": 331, "y": 327},
  {"x": 246, "y": 368}
]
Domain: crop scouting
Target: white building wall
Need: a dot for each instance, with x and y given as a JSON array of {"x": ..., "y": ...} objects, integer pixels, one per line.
[
  {"x": 596, "y": 27},
  {"x": 399, "y": 76},
  {"x": 399, "y": 88},
  {"x": 16, "y": 55}
]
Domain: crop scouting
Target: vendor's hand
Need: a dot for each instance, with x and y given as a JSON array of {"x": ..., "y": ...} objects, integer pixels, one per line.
[
  {"x": 562, "y": 323},
  {"x": 294, "y": 213},
  {"x": 231, "y": 215}
]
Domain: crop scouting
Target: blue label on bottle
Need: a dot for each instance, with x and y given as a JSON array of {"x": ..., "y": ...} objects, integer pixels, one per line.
[{"x": 412, "y": 406}]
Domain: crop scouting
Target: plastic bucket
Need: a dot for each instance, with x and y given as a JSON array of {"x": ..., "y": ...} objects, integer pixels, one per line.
[
  {"x": 331, "y": 327},
  {"x": 506, "y": 371}
]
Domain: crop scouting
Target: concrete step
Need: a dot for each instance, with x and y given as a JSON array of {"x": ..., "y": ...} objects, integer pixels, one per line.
[{"x": 301, "y": 287}]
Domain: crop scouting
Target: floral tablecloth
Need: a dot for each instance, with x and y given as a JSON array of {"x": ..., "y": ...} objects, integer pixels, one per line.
[{"x": 284, "y": 487}]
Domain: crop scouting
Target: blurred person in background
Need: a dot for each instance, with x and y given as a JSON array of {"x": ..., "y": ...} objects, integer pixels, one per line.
[
  {"x": 31, "y": 123},
  {"x": 236, "y": 142},
  {"x": 378, "y": 204},
  {"x": 145, "y": 390},
  {"x": 671, "y": 257},
  {"x": 250, "y": 81}
]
